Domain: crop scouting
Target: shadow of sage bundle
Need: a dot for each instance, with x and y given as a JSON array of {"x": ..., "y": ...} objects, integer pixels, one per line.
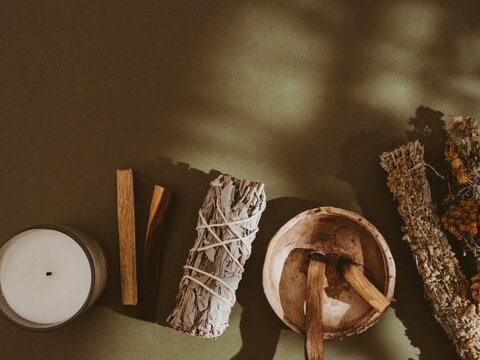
[
  {"x": 445, "y": 285},
  {"x": 227, "y": 225}
]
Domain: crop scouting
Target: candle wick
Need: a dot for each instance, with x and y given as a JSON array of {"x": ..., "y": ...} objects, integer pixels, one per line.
[{"x": 49, "y": 273}]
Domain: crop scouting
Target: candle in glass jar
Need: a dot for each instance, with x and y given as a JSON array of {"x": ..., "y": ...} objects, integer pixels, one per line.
[{"x": 47, "y": 276}]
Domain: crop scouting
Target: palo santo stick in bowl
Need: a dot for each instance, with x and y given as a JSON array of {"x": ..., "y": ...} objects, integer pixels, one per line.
[{"x": 360, "y": 283}]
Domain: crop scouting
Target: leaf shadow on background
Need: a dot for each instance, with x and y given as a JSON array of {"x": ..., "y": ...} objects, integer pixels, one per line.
[{"x": 110, "y": 86}]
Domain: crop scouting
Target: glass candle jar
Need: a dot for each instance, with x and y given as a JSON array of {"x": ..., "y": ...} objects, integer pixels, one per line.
[{"x": 49, "y": 275}]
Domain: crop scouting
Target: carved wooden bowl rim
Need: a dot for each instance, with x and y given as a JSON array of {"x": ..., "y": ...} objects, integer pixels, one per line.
[{"x": 271, "y": 275}]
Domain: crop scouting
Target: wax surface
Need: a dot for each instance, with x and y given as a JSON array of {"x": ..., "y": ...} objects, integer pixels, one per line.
[{"x": 45, "y": 276}]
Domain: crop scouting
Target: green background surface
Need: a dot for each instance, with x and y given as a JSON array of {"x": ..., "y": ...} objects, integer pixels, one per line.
[{"x": 302, "y": 95}]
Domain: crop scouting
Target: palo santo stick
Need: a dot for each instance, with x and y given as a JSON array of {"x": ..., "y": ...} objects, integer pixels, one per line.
[
  {"x": 314, "y": 307},
  {"x": 126, "y": 236},
  {"x": 151, "y": 253},
  {"x": 360, "y": 283}
]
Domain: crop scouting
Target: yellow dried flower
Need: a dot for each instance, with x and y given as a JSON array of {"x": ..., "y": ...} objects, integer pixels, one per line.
[{"x": 456, "y": 163}]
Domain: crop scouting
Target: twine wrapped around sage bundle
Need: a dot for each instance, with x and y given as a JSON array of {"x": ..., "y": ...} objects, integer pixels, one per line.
[
  {"x": 227, "y": 225},
  {"x": 445, "y": 285}
]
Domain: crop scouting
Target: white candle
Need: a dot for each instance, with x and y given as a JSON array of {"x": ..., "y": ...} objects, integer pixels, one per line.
[{"x": 45, "y": 275}]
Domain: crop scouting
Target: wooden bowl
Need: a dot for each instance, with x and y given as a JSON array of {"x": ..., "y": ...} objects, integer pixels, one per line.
[{"x": 335, "y": 232}]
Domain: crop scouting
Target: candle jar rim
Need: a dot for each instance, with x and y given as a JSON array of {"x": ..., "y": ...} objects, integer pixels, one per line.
[{"x": 67, "y": 230}]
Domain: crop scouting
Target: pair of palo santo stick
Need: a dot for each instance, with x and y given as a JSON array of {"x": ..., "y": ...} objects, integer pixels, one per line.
[
  {"x": 314, "y": 302},
  {"x": 127, "y": 244}
]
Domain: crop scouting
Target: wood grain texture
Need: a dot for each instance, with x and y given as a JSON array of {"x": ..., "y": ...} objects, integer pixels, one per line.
[
  {"x": 365, "y": 288},
  {"x": 314, "y": 308},
  {"x": 151, "y": 254},
  {"x": 126, "y": 236}
]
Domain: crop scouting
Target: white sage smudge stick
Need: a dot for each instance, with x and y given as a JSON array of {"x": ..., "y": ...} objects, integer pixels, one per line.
[
  {"x": 227, "y": 225},
  {"x": 445, "y": 285}
]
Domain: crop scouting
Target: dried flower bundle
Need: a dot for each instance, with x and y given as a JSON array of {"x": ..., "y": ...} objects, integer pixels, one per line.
[
  {"x": 445, "y": 285},
  {"x": 462, "y": 204},
  {"x": 227, "y": 225}
]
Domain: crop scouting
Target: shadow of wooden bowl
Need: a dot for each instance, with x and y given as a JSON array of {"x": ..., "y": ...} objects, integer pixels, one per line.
[{"x": 335, "y": 232}]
